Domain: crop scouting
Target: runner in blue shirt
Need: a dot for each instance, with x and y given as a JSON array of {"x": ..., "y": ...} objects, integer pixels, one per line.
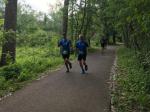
[
  {"x": 81, "y": 46},
  {"x": 65, "y": 45}
]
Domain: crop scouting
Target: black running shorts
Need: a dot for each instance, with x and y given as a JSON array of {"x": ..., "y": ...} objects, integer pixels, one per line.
[{"x": 82, "y": 57}]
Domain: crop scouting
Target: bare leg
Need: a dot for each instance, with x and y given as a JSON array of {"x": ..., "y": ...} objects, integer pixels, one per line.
[
  {"x": 102, "y": 50},
  {"x": 69, "y": 63},
  {"x": 84, "y": 63},
  {"x": 66, "y": 63},
  {"x": 81, "y": 65}
]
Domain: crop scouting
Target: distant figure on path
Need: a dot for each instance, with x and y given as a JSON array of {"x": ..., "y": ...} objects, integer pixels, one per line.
[
  {"x": 103, "y": 42},
  {"x": 65, "y": 45},
  {"x": 81, "y": 46}
]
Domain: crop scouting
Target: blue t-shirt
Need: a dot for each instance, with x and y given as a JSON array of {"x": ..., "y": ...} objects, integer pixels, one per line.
[
  {"x": 82, "y": 46},
  {"x": 65, "y": 44}
]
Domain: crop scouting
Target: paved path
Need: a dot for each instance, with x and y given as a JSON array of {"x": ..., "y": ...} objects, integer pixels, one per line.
[{"x": 72, "y": 92}]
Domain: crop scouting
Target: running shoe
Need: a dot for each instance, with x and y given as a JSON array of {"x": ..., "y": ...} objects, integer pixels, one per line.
[
  {"x": 83, "y": 72},
  {"x": 67, "y": 71}
]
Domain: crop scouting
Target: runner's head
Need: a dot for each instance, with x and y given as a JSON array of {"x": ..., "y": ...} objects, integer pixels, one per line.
[
  {"x": 81, "y": 37},
  {"x": 64, "y": 35}
]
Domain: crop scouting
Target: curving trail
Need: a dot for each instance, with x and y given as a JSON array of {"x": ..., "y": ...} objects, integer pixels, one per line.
[{"x": 72, "y": 92}]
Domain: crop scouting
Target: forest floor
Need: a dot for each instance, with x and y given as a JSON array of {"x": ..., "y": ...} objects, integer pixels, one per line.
[{"x": 67, "y": 92}]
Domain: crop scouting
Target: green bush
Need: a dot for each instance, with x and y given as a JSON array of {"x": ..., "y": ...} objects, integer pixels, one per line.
[
  {"x": 133, "y": 83},
  {"x": 2, "y": 83},
  {"x": 38, "y": 38},
  {"x": 10, "y": 72},
  {"x": 30, "y": 62},
  {"x": 24, "y": 76}
]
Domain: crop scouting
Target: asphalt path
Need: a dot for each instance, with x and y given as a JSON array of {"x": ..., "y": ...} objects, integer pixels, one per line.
[{"x": 67, "y": 92}]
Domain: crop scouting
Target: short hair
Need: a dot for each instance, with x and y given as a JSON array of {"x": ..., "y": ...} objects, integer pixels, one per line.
[
  {"x": 63, "y": 33},
  {"x": 81, "y": 36}
]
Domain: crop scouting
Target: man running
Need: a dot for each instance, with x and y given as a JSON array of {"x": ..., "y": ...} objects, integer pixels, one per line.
[
  {"x": 103, "y": 42},
  {"x": 65, "y": 45},
  {"x": 81, "y": 47}
]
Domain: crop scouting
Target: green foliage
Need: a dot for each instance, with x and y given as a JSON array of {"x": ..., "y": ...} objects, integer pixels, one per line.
[
  {"x": 82, "y": 19},
  {"x": 130, "y": 18},
  {"x": 133, "y": 83},
  {"x": 36, "y": 29},
  {"x": 39, "y": 38},
  {"x": 2, "y": 2},
  {"x": 1, "y": 22},
  {"x": 30, "y": 62},
  {"x": 55, "y": 23},
  {"x": 10, "y": 72},
  {"x": 2, "y": 82}
]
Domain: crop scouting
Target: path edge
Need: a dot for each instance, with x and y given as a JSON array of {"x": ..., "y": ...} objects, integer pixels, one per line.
[{"x": 112, "y": 85}]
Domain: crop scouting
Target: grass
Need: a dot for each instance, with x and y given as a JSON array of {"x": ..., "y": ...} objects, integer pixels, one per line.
[
  {"x": 133, "y": 83},
  {"x": 30, "y": 62}
]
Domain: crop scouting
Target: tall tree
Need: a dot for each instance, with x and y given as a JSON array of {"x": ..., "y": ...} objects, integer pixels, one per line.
[
  {"x": 9, "y": 41},
  {"x": 65, "y": 17}
]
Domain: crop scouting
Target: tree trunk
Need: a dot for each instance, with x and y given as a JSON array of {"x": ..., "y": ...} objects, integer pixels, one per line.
[
  {"x": 87, "y": 27},
  {"x": 126, "y": 36},
  {"x": 65, "y": 17},
  {"x": 9, "y": 42},
  {"x": 84, "y": 17},
  {"x": 72, "y": 20}
]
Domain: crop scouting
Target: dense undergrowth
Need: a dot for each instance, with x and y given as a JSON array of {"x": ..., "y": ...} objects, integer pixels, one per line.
[
  {"x": 30, "y": 62},
  {"x": 133, "y": 83}
]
